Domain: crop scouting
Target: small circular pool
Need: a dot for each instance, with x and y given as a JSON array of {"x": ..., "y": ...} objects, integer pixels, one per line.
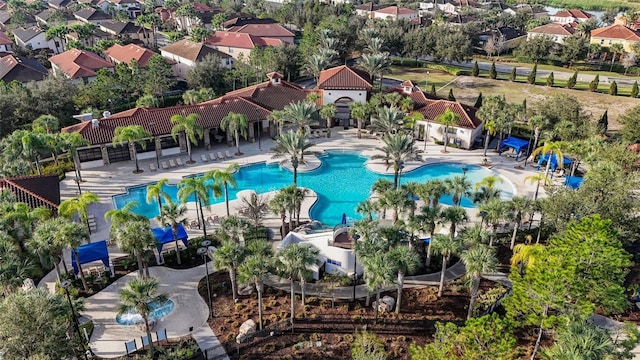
[{"x": 158, "y": 310}]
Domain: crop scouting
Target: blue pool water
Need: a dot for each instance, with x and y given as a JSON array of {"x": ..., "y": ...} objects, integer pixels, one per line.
[
  {"x": 341, "y": 183},
  {"x": 159, "y": 311}
]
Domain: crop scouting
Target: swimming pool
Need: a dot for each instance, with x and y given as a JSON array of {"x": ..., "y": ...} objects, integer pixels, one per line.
[
  {"x": 159, "y": 310},
  {"x": 341, "y": 183}
]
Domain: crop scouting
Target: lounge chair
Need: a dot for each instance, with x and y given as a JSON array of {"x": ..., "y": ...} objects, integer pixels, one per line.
[
  {"x": 220, "y": 156},
  {"x": 152, "y": 167},
  {"x": 229, "y": 155},
  {"x": 179, "y": 162},
  {"x": 204, "y": 158},
  {"x": 145, "y": 341},
  {"x": 164, "y": 165},
  {"x": 172, "y": 163},
  {"x": 213, "y": 157},
  {"x": 161, "y": 336}
]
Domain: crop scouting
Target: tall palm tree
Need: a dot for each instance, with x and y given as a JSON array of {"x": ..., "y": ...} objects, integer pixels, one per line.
[
  {"x": 387, "y": 119},
  {"x": 229, "y": 257},
  {"x": 428, "y": 219},
  {"x": 302, "y": 115},
  {"x": 615, "y": 49},
  {"x": 537, "y": 123},
  {"x": 473, "y": 235},
  {"x": 279, "y": 118},
  {"x": 446, "y": 246},
  {"x": 117, "y": 217},
  {"x": 397, "y": 200},
  {"x": 44, "y": 243},
  {"x": 328, "y": 112},
  {"x": 294, "y": 261},
  {"x": 135, "y": 238},
  {"x": 292, "y": 146},
  {"x": 71, "y": 142},
  {"x": 495, "y": 210},
  {"x": 199, "y": 188},
  {"x": 191, "y": 129},
  {"x": 538, "y": 178},
  {"x": 448, "y": 118},
  {"x": 378, "y": 271},
  {"x": 368, "y": 208},
  {"x": 156, "y": 192},
  {"x": 432, "y": 190},
  {"x": 374, "y": 64},
  {"x": 489, "y": 181},
  {"x": 136, "y": 296},
  {"x": 224, "y": 178},
  {"x": 398, "y": 148},
  {"x": 485, "y": 194},
  {"x": 71, "y": 234},
  {"x": 236, "y": 124},
  {"x": 477, "y": 260},
  {"x": 173, "y": 215},
  {"x": 279, "y": 204},
  {"x": 255, "y": 207},
  {"x": 255, "y": 269},
  {"x": 78, "y": 206},
  {"x": 518, "y": 206},
  {"x": 454, "y": 216},
  {"x": 314, "y": 65},
  {"x": 359, "y": 111},
  {"x": 551, "y": 149},
  {"x": 458, "y": 187},
  {"x": 524, "y": 256},
  {"x": 405, "y": 261},
  {"x": 132, "y": 134}
]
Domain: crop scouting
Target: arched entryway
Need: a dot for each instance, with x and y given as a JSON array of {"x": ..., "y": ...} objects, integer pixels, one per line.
[{"x": 343, "y": 113}]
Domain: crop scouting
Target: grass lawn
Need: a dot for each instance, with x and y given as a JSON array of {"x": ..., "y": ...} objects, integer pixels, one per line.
[
  {"x": 508, "y": 61},
  {"x": 467, "y": 88}
]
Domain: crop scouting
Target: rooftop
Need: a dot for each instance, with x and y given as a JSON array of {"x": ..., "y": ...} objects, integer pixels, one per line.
[
  {"x": 193, "y": 51},
  {"x": 344, "y": 77},
  {"x": 79, "y": 63},
  {"x": 616, "y": 32},
  {"x": 126, "y": 53},
  {"x": 554, "y": 29}
]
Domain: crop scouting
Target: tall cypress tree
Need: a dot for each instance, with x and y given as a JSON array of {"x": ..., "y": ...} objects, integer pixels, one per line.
[
  {"x": 613, "y": 89},
  {"x": 475, "y": 70},
  {"x": 550, "y": 80},
  {"x": 451, "y": 97},
  {"x": 432, "y": 91},
  {"x": 634, "y": 90},
  {"x": 593, "y": 85},
  {"x": 493, "y": 74},
  {"x": 513, "y": 75},
  {"x": 603, "y": 123},
  {"x": 531, "y": 79},
  {"x": 572, "y": 80},
  {"x": 478, "y": 103}
]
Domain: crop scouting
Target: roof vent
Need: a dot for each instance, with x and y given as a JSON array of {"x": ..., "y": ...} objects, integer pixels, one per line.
[
  {"x": 95, "y": 123},
  {"x": 106, "y": 114}
]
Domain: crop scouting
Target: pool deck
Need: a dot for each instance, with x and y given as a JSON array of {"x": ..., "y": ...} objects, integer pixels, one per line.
[{"x": 109, "y": 337}]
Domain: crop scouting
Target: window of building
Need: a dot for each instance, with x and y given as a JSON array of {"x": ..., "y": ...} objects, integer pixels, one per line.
[
  {"x": 167, "y": 143},
  {"x": 150, "y": 146},
  {"x": 118, "y": 153},
  {"x": 230, "y": 50},
  {"x": 90, "y": 154}
]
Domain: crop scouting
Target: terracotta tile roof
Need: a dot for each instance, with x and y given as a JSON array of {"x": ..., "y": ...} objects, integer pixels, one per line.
[
  {"x": 35, "y": 191},
  {"x": 554, "y": 29},
  {"x": 395, "y": 10},
  {"x": 466, "y": 114},
  {"x": 4, "y": 39},
  {"x": 616, "y": 32},
  {"x": 271, "y": 96},
  {"x": 79, "y": 63},
  {"x": 129, "y": 52},
  {"x": 419, "y": 98},
  {"x": 573, "y": 13},
  {"x": 344, "y": 77},
  {"x": 200, "y": 7},
  {"x": 263, "y": 30},
  {"x": 21, "y": 69},
  {"x": 369, "y": 7},
  {"x": 193, "y": 51},
  {"x": 211, "y": 114},
  {"x": 240, "y": 40}
]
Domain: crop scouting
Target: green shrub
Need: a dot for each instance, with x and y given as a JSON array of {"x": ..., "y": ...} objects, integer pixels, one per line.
[
  {"x": 63, "y": 167},
  {"x": 531, "y": 79},
  {"x": 572, "y": 80},
  {"x": 634, "y": 90},
  {"x": 513, "y": 75},
  {"x": 593, "y": 85},
  {"x": 550, "y": 80},
  {"x": 613, "y": 89},
  {"x": 255, "y": 233},
  {"x": 475, "y": 70},
  {"x": 493, "y": 74}
]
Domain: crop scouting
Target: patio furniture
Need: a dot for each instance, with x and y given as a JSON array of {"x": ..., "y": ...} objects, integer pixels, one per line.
[
  {"x": 152, "y": 167},
  {"x": 131, "y": 346},
  {"x": 172, "y": 163},
  {"x": 179, "y": 162},
  {"x": 220, "y": 156},
  {"x": 213, "y": 157},
  {"x": 145, "y": 341},
  {"x": 204, "y": 158},
  {"x": 161, "y": 336},
  {"x": 164, "y": 165},
  {"x": 229, "y": 155}
]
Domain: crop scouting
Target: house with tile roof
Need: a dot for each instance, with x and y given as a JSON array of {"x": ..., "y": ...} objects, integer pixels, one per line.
[
  {"x": 246, "y": 19},
  {"x": 21, "y": 69},
  {"x": 272, "y": 31},
  {"x": 35, "y": 191},
  {"x": 394, "y": 13},
  {"x": 35, "y": 38},
  {"x": 52, "y": 17},
  {"x": 186, "y": 53},
  {"x": 509, "y": 36},
  {"x": 557, "y": 32},
  {"x": 79, "y": 65},
  {"x": 91, "y": 15},
  {"x": 6, "y": 44},
  {"x": 60, "y": 4},
  {"x": 235, "y": 43},
  {"x": 615, "y": 34},
  {"x": 367, "y": 8},
  {"x": 204, "y": 16},
  {"x": 126, "y": 30},
  {"x": 570, "y": 16},
  {"x": 6, "y": 22},
  {"x": 132, "y": 7},
  {"x": 117, "y": 54},
  {"x": 343, "y": 86}
]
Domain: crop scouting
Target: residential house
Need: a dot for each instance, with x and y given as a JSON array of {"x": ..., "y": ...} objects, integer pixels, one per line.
[
  {"x": 272, "y": 31},
  {"x": 186, "y": 53},
  {"x": 234, "y": 43},
  {"x": 394, "y": 13},
  {"x": 60, "y": 4},
  {"x": 89, "y": 41},
  {"x": 126, "y": 53},
  {"x": 445, "y": 6},
  {"x": 508, "y": 37},
  {"x": 127, "y": 31},
  {"x": 24, "y": 70},
  {"x": 632, "y": 23},
  {"x": 91, "y": 15},
  {"x": 343, "y": 86},
  {"x": 537, "y": 12},
  {"x": 35, "y": 38},
  {"x": 557, "y": 32},
  {"x": 204, "y": 16},
  {"x": 245, "y": 19},
  {"x": 24, "y": 20},
  {"x": 79, "y": 65},
  {"x": 570, "y": 16},
  {"x": 132, "y": 7},
  {"x": 615, "y": 34},
  {"x": 367, "y": 9},
  {"x": 97, "y": 4},
  {"x": 6, "y": 44},
  {"x": 52, "y": 17}
]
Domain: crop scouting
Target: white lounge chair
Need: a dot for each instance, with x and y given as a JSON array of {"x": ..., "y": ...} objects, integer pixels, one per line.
[
  {"x": 164, "y": 165},
  {"x": 152, "y": 167},
  {"x": 213, "y": 157},
  {"x": 204, "y": 158},
  {"x": 172, "y": 163},
  {"x": 220, "y": 156},
  {"x": 179, "y": 162},
  {"x": 229, "y": 155}
]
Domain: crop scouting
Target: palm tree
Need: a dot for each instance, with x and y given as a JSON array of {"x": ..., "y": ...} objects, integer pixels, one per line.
[
  {"x": 136, "y": 297},
  {"x": 315, "y": 64},
  {"x": 78, "y": 206},
  {"x": 405, "y": 261},
  {"x": 477, "y": 260},
  {"x": 538, "y": 178},
  {"x": 294, "y": 261},
  {"x": 255, "y": 269},
  {"x": 397, "y": 199},
  {"x": 191, "y": 129},
  {"x": 359, "y": 111},
  {"x": 374, "y": 64},
  {"x": 72, "y": 234},
  {"x": 229, "y": 257},
  {"x": 368, "y": 208},
  {"x": 398, "y": 148},
  {"x": 432, "y": 190},
  {"x": 448, "y": 118},
  {"x": 485, "y": 194},
  {"x": 458, "y": 187},
  {"x": 378, "y": 274},
  {"x": 44, "y": 243},
  {"x": 279, "y": 204},
  {"x": 156, "y": 192},
  {"x": 495, "y": 210},
  {"x": 255, "y": 208},
  {"x": 387, "y": 119},
  {"x": 474, "y": 235},
  {"x": 57, "y": 32},
  {"x": 279, "y": 118},
  {"x": 292, "y": 146},
  {"x": 117, "y": 217},
  {"x": 303, "y": 115},
  {"x": 132, "y": 134},
  {"x": 518, "y": 206},
  {"x": 551, "y": 149},
  {"x": 71, "y": 142},
  {"x": 237, "y": 125},
  {"x": 537, "y": 123},
  {"x": 198, "y": 188},
  {"x": 524, "y": 256},
  {"x": 328, "y": 112},
  {"x": 615, "y": 49},
  {"x": 173, "y": 215},
  {"x": 581, "y": 340},
  {"x": 224, "y": 178},
  {"x": 454, "y": 216},
  {"x": 135, "y": 238},
  {"x": 428, "y": 218},
  {"x": 446, "y": 246}
]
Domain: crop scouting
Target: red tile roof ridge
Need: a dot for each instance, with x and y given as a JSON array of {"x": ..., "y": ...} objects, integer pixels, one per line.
[
  {"x": 616, "y": 32},
  {"x": 328, "y": 74},
  {"x": 31, "y": 193}
]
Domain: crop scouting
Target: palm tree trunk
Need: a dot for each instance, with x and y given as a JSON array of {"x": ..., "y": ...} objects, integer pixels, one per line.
[
  {"x": 175, "y": 239},
  {"x": 37, "y": 161},
  {"x": 56, "y": 266},
  {"x": 140, "y": 266},
  {"x": 445, "y": 259},
  {"x": 238, "y": 142},
  {"x": 189, "y": 148},
  {"x": 76, "y": 164},
  {"x": 513, "y": 236},
  {"x": 546, "y": 171},
  {"x": 259, "y": 287},
  {"x": 395, "y": 176},
  {"x": 375, "y": 319},
  {"x": 302, "y": 286},
  {"x": 234, "y": 284},
  {"x": 84, "y": 282},
  {"x": 226, "y": 197},
  {"x": 201, "y": 220},
  {"x": 295, "y": 175},
  {"x": 535, "y": 195},
  {"x": 446, "y": 138},
  {"x": 400, "y": 286},
  {"x": 293, "y": 306},
  {"x": 135, "y": 157},
  {"x": 64, "y": 264},
  {"x": 486, "y": 144},
  {"x": 367, "y": 300},
  {"x": 474, "y": 296},
  {"x": 146, "y": 326}
]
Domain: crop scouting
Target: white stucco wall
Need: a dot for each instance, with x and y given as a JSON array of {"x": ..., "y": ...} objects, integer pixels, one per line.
[
  {"x": 465, "y": 135},
  {"x": 330, "y": 96}
]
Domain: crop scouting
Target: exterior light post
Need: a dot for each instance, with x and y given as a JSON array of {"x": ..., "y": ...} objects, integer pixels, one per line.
[
  {"x": 355, "y": 265},
  {"x": 65, "y": 285},
  {"x": 483, "y": 214},
  {"x": 77, "y": 181},
  {"x": 203, "y": 252}
]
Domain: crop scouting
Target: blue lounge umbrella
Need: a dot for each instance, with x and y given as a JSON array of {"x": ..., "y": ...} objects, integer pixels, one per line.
[{"x": 344, "y": 218}]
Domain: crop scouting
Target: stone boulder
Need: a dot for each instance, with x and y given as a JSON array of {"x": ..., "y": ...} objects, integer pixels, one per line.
[
  {"x": 386, "y": 304},
  {"x": 247, "y": 290},
  {"x": 247, "y": 328}
]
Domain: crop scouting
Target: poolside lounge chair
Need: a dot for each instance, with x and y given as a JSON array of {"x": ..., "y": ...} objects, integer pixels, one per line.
[
  {"x": 152, "y": 167},
  {"x": 179, "y": 162},
  {"x": 204, "y": 158},
  {"x": 172, "y": 163},
  {"x": 229, "y": 155},
  {"x": 164, "y": 165},
  {"x": 131, "y": 346},
  {"x": 213, "y": 157},
  {"x": 145, "y": 341},
  {"x": 220, "y": 156},
  {"x": 161, "y": 336}
]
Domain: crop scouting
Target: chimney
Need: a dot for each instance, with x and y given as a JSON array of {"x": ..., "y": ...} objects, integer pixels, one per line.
[
  {"x": 407, "y": 87},
  {"x": 275, "y": 77},
  {"x": 95, "y": 123},
  {"x": 106, "y": 114}
]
